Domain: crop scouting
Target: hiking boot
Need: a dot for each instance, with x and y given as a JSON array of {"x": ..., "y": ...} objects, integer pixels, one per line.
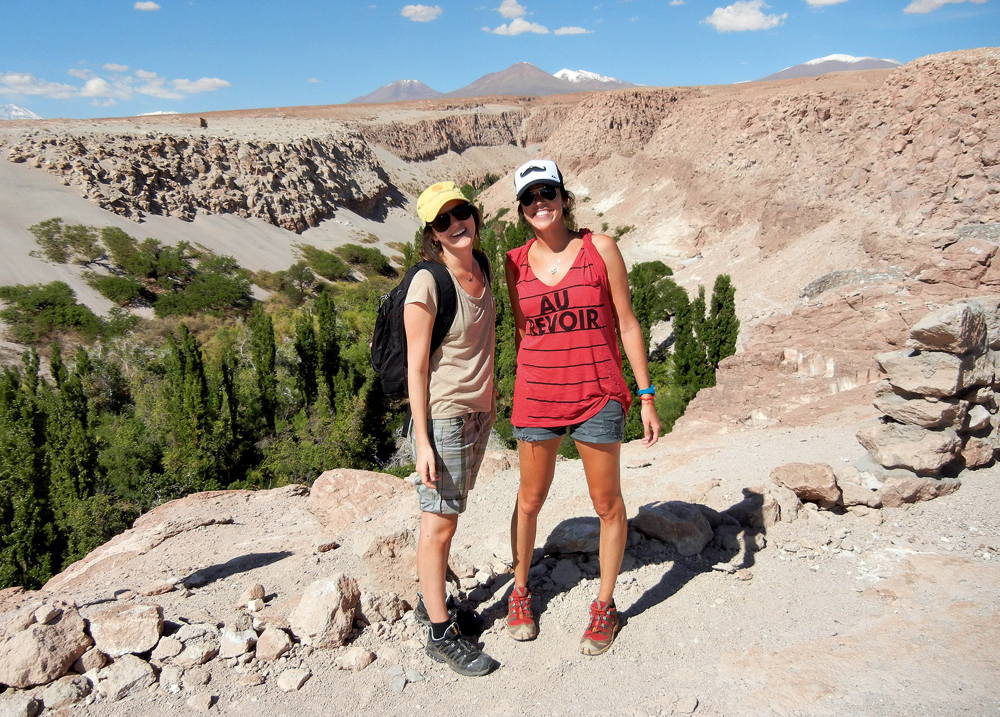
[
  {"x": 600, "y": 633},
  {"x": 420, "y": 611},
  {"x": 459, "y": 654},
  {"x": 520, "y": 622}
]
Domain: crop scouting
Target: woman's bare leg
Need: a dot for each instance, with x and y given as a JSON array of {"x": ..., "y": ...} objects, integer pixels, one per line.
[
  {"x": 436, "y": 532},
  {"x": 602, "y": 464},
  {"x": 538, "y": 466}
]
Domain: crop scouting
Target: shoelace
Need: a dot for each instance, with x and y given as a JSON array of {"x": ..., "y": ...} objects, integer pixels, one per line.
[
  {"x": 520, "y": 605},
  {"x": 600, "y": 621}
]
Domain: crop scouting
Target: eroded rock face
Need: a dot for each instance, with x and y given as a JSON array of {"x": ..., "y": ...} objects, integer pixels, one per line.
[
  {"x": 291, "y": 184},
  {"x": 340, "y": 496}
]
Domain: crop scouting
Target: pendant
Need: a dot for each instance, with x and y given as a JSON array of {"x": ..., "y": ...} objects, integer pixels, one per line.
[{"x": 554, "y": 269}]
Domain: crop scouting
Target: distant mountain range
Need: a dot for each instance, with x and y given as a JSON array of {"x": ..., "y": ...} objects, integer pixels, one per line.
[
  {"x": 13, "y": 112},
  {"x": 522, "y": 78},
  {"x": 832, "y": 63}
]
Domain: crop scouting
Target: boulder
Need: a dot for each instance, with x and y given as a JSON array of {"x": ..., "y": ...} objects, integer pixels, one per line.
[
  {"x": 852, "y": 494},
  {"x": 340, "y": 496},
  {"x": 957, "y": 329},
  {"x": 166, "y": 648},
  {"x": 20, "y": 705},
  {"x": 272, "y": 644},
  {"x": 927, "y": 373},
  {"x": 894, "y": 445},
  {"x": 565, "y": 574},
  {"x": 43, "y": 653},
  {"x": 811, "y": 482},
  {"x": 978, "y": 419},
  {"x": 915, "y": 489},
  {"x": 126, "y": 676},
  {"x": 926, "y": 412},
  {"x": 977, "y": 452},
  {"x": 676, "y": 523},
  {"x": 781, "y": 504},
  {"x": 990, "y": 306},
  {"x": 233, "y": 643},
  {"x": 324, "y": 616},
  {"x": 382, "y": 607},
  {"x": 574, "y": 535},
  {"x": 65, "y": 691},
  {"x": 126, "y": 629},
  {"x": 92, "y": 659}
]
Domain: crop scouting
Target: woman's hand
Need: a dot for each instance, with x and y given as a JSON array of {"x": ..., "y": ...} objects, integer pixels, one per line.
[
  {"x": 426, "y": 468},
  {"x": 651, "y": 423}
]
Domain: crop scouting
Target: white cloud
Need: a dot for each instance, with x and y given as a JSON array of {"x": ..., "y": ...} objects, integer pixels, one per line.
[
  {"x": 82, "y": 74},
  {"x": 147, "y": 6},
  {"x": 13, "y": 83},
  {"x": 421, "y": 13},
  {"x": 743, "y": 15},
  {"x": 112, "y": 67},
  {"x": 676, "y": 2},
  {"x": 205, "y": 84},
  {"x": 572, "y": 31},
  {"x": 819, "y": 3},
  {"x": 519, "y": 26},
  {"x": 312, "y": 79},
  {"x": 154, "y": 86},
  {"x": 925, "y": 6},
  {"x": 511, "y": 10},
  {"x": 101, "y": 88}
]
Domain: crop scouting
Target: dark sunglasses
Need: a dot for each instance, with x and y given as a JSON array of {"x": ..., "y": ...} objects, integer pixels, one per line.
[
  {"x": 547, "y": 193},
  {"x": 443, "y": 221}
]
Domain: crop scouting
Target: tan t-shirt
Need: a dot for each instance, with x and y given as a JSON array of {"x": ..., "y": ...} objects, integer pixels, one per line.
[{"x": 461, "y": 370}]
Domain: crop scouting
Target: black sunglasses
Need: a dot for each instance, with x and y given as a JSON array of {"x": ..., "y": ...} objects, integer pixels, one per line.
[
  {"x": 443, "y": 221},
  {"x": 547, "y": 193}
]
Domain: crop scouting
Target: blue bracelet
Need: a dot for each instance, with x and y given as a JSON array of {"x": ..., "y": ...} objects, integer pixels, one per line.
[{"x": 651, "y": 391}]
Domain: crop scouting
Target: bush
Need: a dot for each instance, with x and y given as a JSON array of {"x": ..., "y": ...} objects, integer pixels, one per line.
[
  {"x": 325, "y": 263},
  {"x": 371, "y": 258},
  {"x": 35, "y": 312},
  {"x": 218, "y": 287},
  {"x": 62, "y": 243},
  {"x": 122, "y": 290}
]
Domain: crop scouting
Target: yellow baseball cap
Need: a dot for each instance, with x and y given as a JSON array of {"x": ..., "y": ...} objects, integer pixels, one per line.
[{"x": 436, "y": 196}]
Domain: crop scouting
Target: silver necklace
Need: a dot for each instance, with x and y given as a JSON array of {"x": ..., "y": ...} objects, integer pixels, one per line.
[{"x": 555, "y": 268}]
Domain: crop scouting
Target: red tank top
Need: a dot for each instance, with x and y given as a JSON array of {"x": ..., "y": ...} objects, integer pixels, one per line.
[{"x": 569, "y": 364}]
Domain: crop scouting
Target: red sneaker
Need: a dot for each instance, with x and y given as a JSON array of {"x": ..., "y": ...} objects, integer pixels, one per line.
[
  {"x": 520, "y": 622},
  {"x": 600, "y": 633}
]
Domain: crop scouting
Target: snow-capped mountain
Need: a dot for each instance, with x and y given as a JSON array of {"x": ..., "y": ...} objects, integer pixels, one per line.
[
  {"x": 13, "y": 112},
  {"x": 832, "y": 63},
  {"x": 580, "y": 76}
]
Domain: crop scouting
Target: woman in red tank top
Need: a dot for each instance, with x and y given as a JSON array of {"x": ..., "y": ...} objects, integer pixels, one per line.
[{"x": 570, "y": 297}]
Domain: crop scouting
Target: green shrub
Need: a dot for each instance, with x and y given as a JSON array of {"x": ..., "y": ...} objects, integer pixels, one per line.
[
  {"x": 122, "y": 290},
  {"x": 371, "y": 258},
  {"x": 62, "y": 243},
  {"x": 325, "y": 263},
  {"x": 33, "y": 313}
]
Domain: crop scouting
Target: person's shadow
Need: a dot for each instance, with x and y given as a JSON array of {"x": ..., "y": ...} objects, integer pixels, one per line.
[{"x": 738, "y": 532}]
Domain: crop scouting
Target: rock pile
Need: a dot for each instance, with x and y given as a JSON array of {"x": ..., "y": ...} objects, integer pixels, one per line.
[
  {"x": 293, "y": 185},
  {"x": 939, "y": 401}
]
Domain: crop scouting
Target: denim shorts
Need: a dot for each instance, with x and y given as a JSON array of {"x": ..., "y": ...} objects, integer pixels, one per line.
[
  {"x": 459, "y": 446},
  {"x": 606, "y": 426}
]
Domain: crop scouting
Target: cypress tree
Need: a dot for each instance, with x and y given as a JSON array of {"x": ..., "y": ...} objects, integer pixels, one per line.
[
  {"x": 262, "y": 354},
  {"x": 27, "y": 534},
  {"x": 327, "y": 346},
  {"x": 307, "y": 349},
  {"x": 724, "y": 326}
]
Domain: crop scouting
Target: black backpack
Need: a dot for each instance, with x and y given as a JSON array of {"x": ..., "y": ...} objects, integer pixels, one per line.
[{"x": 388, "y": 347}]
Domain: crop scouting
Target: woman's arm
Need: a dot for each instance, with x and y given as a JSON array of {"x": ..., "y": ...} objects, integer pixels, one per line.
[
  {"x": 515, "y": 305},
  {"x": 629, "y": 330},
  {"x": 418, "y": 322}
]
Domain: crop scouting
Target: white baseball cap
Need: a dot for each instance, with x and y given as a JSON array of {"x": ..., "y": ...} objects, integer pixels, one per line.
[{"x": 537, "y": 171}]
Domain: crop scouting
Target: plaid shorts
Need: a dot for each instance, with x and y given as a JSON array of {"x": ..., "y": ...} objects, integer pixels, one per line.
[{"x": 459, "y": 445}]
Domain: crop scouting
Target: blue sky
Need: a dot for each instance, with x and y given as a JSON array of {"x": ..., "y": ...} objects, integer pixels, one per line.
[{"x": 103, "y": 58}]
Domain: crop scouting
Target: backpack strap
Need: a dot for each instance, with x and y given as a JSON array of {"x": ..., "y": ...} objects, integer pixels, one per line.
[{"x": 447, "y": 302}]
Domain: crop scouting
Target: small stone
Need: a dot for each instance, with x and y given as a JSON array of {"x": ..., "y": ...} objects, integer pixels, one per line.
[
  {"x": 327, "y": 546},
  {"x": 201, "y": 702},
  {"x": 252, "y": 680},
  {"x": 171, "y": 677},
  {"x": 65, "y": 691},
  {"x": 255, "y": 605},
  {"x": 196, "y": 677},
  {"x": 166, "y": 648},
  {"x": 46, "y": 614},
  {"x": 398, "y": 684},
  {"x": 396, "y": 671},
  {"x": 414, "y": 676},
  {"x": 292, "y": 680},
  {"x": 686, "y": 705},
  {"x": 253, "y": 592},
  {"x": 355, "y": 659},
  {"x": 159, "y": 587}
]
